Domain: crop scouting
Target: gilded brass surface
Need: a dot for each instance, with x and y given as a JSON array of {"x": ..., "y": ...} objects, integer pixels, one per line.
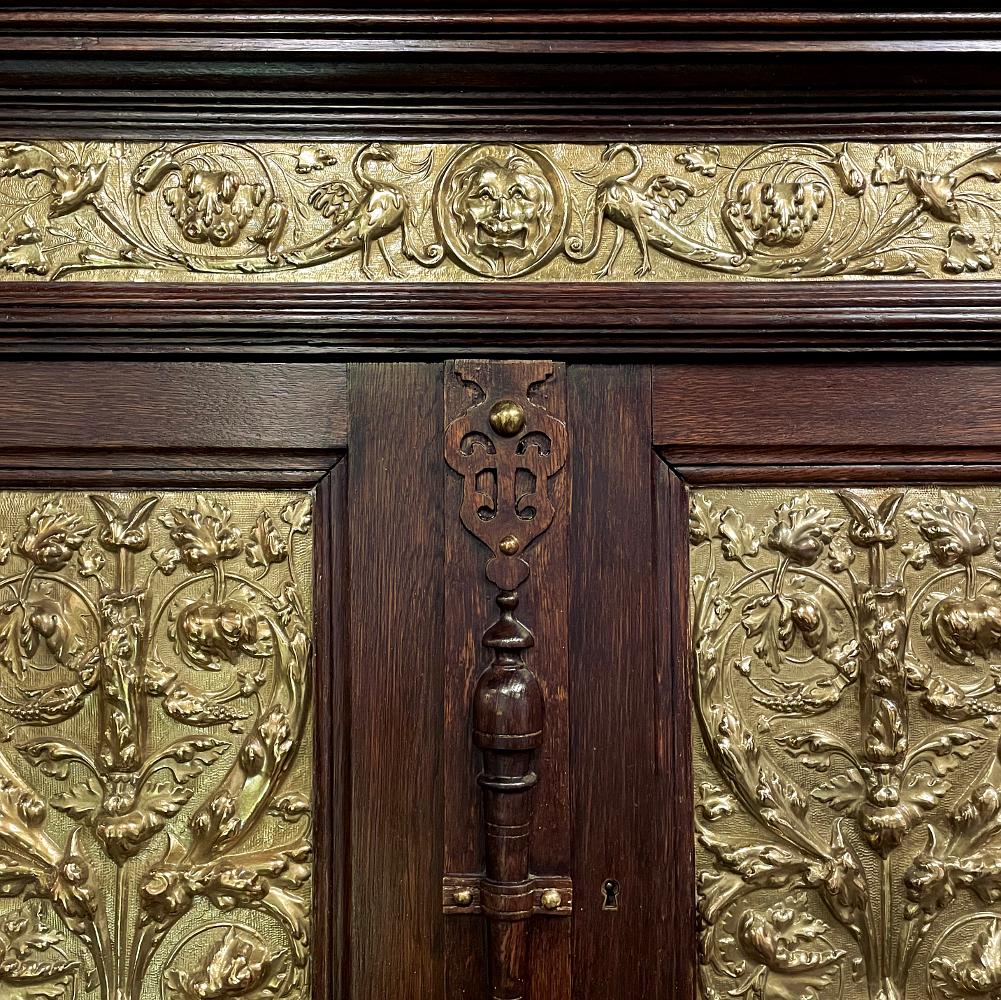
[
  {"x": 230, "y": 211},
  {"x": 155, "y": 770},
  {"x": 846, "y": 659}
]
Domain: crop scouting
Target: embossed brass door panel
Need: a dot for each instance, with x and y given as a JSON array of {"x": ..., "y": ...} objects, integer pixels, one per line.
[
  {"x": 169, "y": 538},
  {"x": 829, "y": 583}
]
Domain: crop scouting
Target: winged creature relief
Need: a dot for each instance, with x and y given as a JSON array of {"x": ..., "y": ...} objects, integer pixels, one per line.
[
  {"x": 155, "y": 664},
  {"x": 230, "y": 211},
  {"x": 846, "y": 673}
]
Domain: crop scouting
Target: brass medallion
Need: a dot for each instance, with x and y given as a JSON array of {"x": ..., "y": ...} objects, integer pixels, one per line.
[
  {"x": 502, "y": 209},
  {"x": 565, "y": 212},
  {"x": 846, "y": 662},
  {"x": 155, "y": 764}
]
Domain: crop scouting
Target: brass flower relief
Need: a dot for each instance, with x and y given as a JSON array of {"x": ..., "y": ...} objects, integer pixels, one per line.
[
  {"x": 846, "y": 656},
  {"x": 382, "y": 211},
  {"x": 155, "y": 773}
]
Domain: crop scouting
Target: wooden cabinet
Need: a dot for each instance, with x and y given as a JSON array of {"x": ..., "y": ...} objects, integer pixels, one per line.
[{"x": 499, "y": 505}]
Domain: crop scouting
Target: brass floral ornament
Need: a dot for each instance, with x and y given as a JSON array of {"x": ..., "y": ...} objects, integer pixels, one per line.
[
  {"x": 383, "y": 211},
  {"x": 155, "y": 678},
  {"x": 846, "y": 650}
]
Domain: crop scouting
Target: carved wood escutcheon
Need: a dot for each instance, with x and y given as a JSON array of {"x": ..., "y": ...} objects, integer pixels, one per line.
[{"x": 508, "y": 448}]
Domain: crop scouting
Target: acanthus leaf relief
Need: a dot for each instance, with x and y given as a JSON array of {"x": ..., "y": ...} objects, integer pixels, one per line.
[
  {"x": 846, "y": 672},
  {"x": 384, "y": 211},
  {"x": 155, "y": 771}
]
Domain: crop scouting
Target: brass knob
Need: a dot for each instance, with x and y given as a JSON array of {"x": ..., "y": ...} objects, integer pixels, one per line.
[
  {"x": 509, "y": 545},
  {"x": 551, "y": 899},
  {"x": 463, "y": 897},
  {"x": 507, "y": 418}
]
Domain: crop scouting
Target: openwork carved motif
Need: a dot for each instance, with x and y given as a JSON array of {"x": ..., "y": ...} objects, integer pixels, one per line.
[
  {"x": 231, "y": 211},
  {"x": 846, "y": 652},
  {"x": 508, "y": 448},
  {"x": 155, "y": 678}
]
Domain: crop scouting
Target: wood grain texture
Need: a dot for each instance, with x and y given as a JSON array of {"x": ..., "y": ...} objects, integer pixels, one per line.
[
  {"x": 619, "y": 793},
  {"x": 674, "y": 742},
  {"x": 331, "y": 780},
  {"x": 751, "y": 413},
  {"x": 497, "y": 319},
  {"x": 457, "y": 28},
  {"x": 396, "y": 613},
  {"x": 469, "y": 609},
  {"x": 184, "y": 407}
]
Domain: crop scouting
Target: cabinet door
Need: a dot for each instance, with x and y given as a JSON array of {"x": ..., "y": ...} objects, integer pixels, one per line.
[
  {"x": 829, "y": 605},
  {"x": 171, "y": 553}
]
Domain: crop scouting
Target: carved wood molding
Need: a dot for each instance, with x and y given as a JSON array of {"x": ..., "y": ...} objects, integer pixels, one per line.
[{"x": 379, "y": 211}]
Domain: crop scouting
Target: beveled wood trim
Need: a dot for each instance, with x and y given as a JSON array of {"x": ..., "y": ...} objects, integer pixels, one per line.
[
  {"x": 330, "y": 719},
  {"x": 674, "y": 687},
  {"x": 817, "y": 474}
]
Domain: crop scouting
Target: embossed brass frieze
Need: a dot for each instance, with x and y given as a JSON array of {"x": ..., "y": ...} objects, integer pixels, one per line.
[
  {"x": 237, "y": 211},
  {"x": 846, "y": 651},
  {"x": 155, "y": 770}
]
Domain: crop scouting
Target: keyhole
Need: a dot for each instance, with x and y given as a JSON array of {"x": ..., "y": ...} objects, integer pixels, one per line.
[{"x": 610, "y": 891}]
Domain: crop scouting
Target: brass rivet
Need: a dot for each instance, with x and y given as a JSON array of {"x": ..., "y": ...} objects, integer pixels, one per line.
[
  {"x": 507, "y": 418},
  {"x": 509, "y": 544},
  {"x": 551, "y": 899},
  {"x": 463, "y": 897}
]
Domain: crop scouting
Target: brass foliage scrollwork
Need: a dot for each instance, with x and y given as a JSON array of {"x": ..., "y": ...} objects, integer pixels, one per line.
[
  {"x": 383, "y": 211},
  {"x": 846, "y": 651},
  {"x": 155, "y": 678}
]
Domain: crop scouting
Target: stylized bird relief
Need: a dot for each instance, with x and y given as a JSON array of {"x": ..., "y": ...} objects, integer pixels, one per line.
[
  {"x": 645, "y": 210},
  {"x": 362, "y": 214}
]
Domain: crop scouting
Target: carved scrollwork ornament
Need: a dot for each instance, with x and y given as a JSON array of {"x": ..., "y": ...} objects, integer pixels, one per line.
[
  {"x": 384, "y": 211},
  {"x": 845, "y": 651},
  {"x": 155, "y": 776},
  {"x": 509, "y": 450}
]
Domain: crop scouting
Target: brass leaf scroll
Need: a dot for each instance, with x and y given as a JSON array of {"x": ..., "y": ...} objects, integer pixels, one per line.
[
  {"x": 381, "y": 211},
  {"x": 155, "y": 770},
  {"x": 846, "y": 660}
]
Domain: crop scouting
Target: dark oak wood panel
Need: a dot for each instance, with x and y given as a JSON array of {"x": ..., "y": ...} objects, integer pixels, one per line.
[
  {"x": 397, "y": 604},
  {"x": 827, "y": 413},
  {"x": 621, "y": 813},
  {"x": 183, "y": 407}
]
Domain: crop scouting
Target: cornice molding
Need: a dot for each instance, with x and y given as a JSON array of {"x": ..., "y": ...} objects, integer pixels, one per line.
[{"x": 145, "y": 27}]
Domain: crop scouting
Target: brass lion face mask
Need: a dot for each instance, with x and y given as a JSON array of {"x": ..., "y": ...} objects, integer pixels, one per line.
[{"x": 504, "y": 210}]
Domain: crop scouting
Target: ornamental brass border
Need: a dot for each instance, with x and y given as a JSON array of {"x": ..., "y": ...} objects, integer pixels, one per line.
[{"x": 399, "y": 212}]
